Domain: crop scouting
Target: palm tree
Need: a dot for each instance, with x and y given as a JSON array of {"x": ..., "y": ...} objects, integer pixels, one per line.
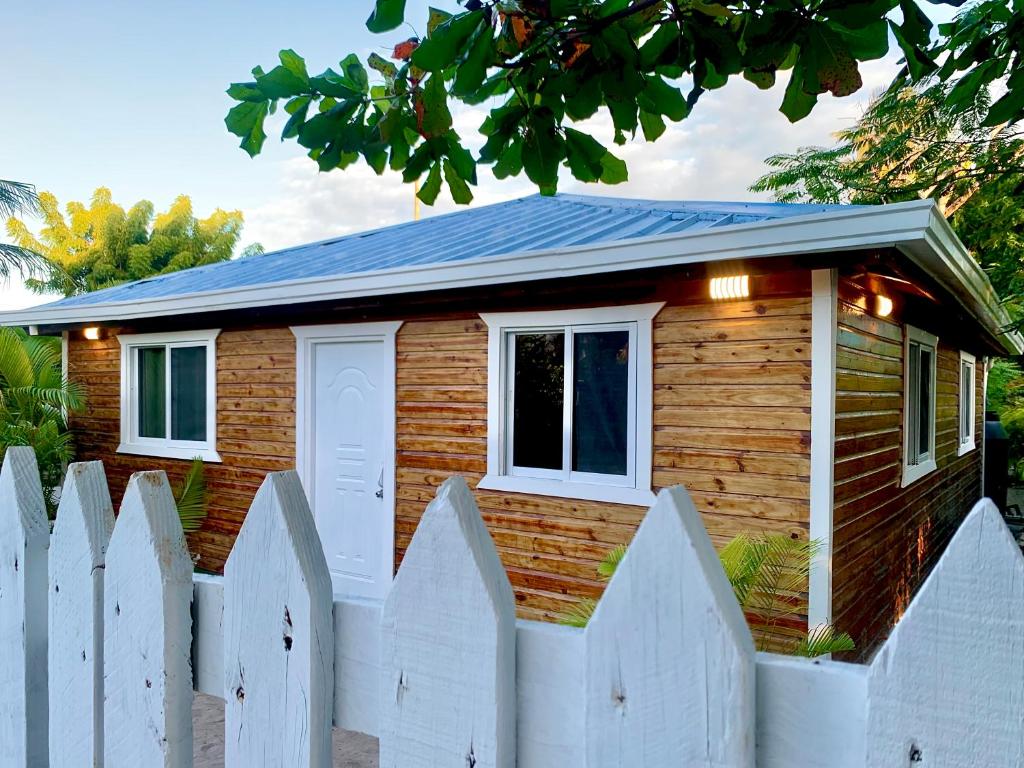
[
  {"x": 18, "y": 198},
  {"x": 35, "y": 398}
]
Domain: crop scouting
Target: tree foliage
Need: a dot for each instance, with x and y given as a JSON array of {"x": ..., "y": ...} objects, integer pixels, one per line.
[
  {"x": 18, "y": 199},
  {"x": 34, "y": 399},
  {"x": 101, "y": 244},
  {"x": 915, "y": 143},
  {"x": 552, "y": 64}
]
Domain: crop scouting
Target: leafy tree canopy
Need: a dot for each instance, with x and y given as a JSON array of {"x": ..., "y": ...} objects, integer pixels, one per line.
[
  {"x": 101, "y": 244},
  {"x": 914, "y": 143},
  {"x": 549, "y": 64}
]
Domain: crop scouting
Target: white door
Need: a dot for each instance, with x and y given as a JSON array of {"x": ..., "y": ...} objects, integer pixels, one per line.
[{"x": 349, "y": 471}]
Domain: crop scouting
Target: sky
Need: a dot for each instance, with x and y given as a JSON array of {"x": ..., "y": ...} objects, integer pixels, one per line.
[{"x": 130, "y": 96}]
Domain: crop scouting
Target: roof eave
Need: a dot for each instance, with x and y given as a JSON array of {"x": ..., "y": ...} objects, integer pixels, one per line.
[{"x": 851, "y": 229}]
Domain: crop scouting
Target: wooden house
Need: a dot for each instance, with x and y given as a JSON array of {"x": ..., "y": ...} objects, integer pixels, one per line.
[{"x": 811, "y": 370}]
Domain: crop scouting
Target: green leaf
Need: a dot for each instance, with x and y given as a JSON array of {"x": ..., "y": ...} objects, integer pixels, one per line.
[
  {"x": 440, "y": 50},
  {"x": 584, "y": 100},
  {"x": 868, "y": 42},
  {"x": 763, "y": 80},
  {"x": 298, "y": 108},
  {"x": 660, "y": 47},
  {"x": 432, "y": 106},
  {"x": 916, "y": 26},
  {"x": 797, "y": 103},
  {"x": 510, "y": 163},
  {"x": 460, "y": 190},
  {"x": 432, "y": 186},
  {"x": 918, "y": 63},
  {"x": 613, "y": 169},
  {"x": 1009, "y": 109},
  {"x": 354, "y": 71},
  {"x": 461, "y": 158},
  {"x": 854, "y": 14},
  {"x": 295, "y": 64},
  {"x": 542, "y": 152},
  {"x": 330, "y": 83},
  {"x": 190, "y": 498},
  {"x": 246, "y": 120},
  {"x": 583, "y": 155},
  {"x": 420, "y": 161},
  {"x": 280, "y": 82},
  {"x": 471, "y": 72},
  {"x": 665, "y": 99},
  {"x": 653, "y": 126},
  {"x": 380, "y": 64},
  {"x": 435, "y": 18},
  {"x": 376, "y": 157},
  {"x": 829, "y": 65},
  {"x": 387, "y": 15},
  {"x": 245, "y": 92}
]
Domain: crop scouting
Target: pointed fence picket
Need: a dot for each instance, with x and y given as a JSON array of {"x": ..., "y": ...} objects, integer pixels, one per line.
[
  {"x": 78, "y": 550},
  {"x": 147, "y": 594},
  {"x": 665, "y": 673},
  {"x": 670, "y": 660},
  {"x": 448, "y": 645},
  {"x": 278, "y": 635},
  {"x": 24, "y": 538}
]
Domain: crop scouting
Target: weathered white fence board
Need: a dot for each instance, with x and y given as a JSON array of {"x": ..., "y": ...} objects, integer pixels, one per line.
[
  {"x": 947, "y": 688},
  {"x": 670, "y": 661},
  {"x": 448, "y": 645},
  {"x": 357, "y": 664},
  {"x": 147, "y": 632},
  {"x": 24, "y": 538},
  {"x": 278, "y": 635},
  {"x": 78, "y": 550}
]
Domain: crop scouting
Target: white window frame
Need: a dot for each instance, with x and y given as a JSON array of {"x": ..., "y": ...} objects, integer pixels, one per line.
[
  {"x": 917, "y": 466},
  {"x": 165, "y": 447},
  {"x": 966, "y": 442},
  {"x": 636, "y": 486}
]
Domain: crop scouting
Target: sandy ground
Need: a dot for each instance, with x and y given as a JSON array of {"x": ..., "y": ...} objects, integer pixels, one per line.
[{"x": 351, "y": 750}]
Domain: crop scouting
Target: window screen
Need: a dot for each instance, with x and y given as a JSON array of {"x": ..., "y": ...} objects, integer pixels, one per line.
[
  {"x": 600, "y": 402},
  {"x": 188, "y": 393},
  {"x": 538, "y": 399}
]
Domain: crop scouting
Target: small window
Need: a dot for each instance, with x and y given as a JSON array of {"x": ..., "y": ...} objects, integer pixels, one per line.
[
  {"x": 920, "y": 350},
  {"x": 967, "y": 406},
  {"x": 569, "y": 404},
  {"x": 168, "y": 395}
]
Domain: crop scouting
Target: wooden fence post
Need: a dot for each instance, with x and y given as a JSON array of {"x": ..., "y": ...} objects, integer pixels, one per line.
[
  {"x": 448, "y": 645},
  {"x": 278, "y": 635},
  {"x": 24, "y": 538},
  {"x": 147, "y": 632},
  {"x": 670, "y": 669},
  {"x": 947, "y": 688},
  {"x": 81, "y": 534}
]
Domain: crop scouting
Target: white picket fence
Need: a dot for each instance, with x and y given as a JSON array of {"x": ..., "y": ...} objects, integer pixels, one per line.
[{"x": 442, "y": 672}]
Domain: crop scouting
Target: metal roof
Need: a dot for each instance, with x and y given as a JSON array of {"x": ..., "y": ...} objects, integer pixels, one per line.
[{"x": 525, "y": 225}]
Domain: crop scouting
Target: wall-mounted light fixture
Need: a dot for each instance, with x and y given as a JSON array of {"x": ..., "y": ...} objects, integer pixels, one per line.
[
  {"x": 92, "y": 334},
  {"x": 883, "y": 305},
  {"x": 732, "y": 287}
]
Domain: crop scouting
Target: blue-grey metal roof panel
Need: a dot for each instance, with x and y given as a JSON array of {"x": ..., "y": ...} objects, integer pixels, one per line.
[{"x": 533, "y": 223}]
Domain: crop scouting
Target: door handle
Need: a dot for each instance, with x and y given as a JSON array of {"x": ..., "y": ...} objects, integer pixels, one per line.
[{"x": 380, "y": 484}]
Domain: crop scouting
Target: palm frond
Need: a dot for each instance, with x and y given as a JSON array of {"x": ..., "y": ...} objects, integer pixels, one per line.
[
  {"x": 580, "y": 614},
  {"x": 191, "y": 498},
  {"x": 17, "y": 197},
  {"x": 606, "y": 569},
  {"x": 823, "y": 640}
]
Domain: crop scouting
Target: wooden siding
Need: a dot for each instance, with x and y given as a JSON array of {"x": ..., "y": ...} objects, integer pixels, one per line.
[
  {"x": 731, "y": 421},
  {"x": 255, "y": 426},
  {"x": 886, "y": 538}
]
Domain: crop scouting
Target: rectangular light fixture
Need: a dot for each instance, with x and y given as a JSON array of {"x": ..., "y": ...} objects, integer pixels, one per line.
[
  {"x": 92, "y": 334},
  {"x": 732, "y": 287}
]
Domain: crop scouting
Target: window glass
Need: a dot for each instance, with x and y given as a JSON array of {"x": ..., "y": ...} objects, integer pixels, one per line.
[
  {"x": 538, "y": 397},
  {"x": 924, "y": 403},
  {"x": 600, "y": 402},
  {"x": 152, "y": 383},
  {"x": 188, "y": 393}
]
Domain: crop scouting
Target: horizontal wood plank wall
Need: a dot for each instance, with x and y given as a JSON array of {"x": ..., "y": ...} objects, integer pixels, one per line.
[
  {"x": 731, "y": 420},
  {"x": 886, "y": 538},
  {"x": 255, "y": 426}
]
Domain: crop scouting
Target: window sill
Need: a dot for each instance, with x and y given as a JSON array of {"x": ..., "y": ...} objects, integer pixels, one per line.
[
  {"x": 914, "y": 472},
  {"x": 584, "y": 491},
  {"x": 171, "y": 452},
  {"x": 965, "y": 448}
]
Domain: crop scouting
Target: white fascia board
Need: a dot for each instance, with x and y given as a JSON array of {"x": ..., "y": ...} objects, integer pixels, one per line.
[
  {"x": 852, "y": 229},
  {"x": 941, "y": 254}
]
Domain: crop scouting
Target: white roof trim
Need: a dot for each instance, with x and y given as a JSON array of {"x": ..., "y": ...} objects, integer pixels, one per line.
[{"x": 915, "y": 227}]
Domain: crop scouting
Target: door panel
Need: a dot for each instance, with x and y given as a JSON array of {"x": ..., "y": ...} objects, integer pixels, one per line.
[{"x": 350, "y": 461}]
